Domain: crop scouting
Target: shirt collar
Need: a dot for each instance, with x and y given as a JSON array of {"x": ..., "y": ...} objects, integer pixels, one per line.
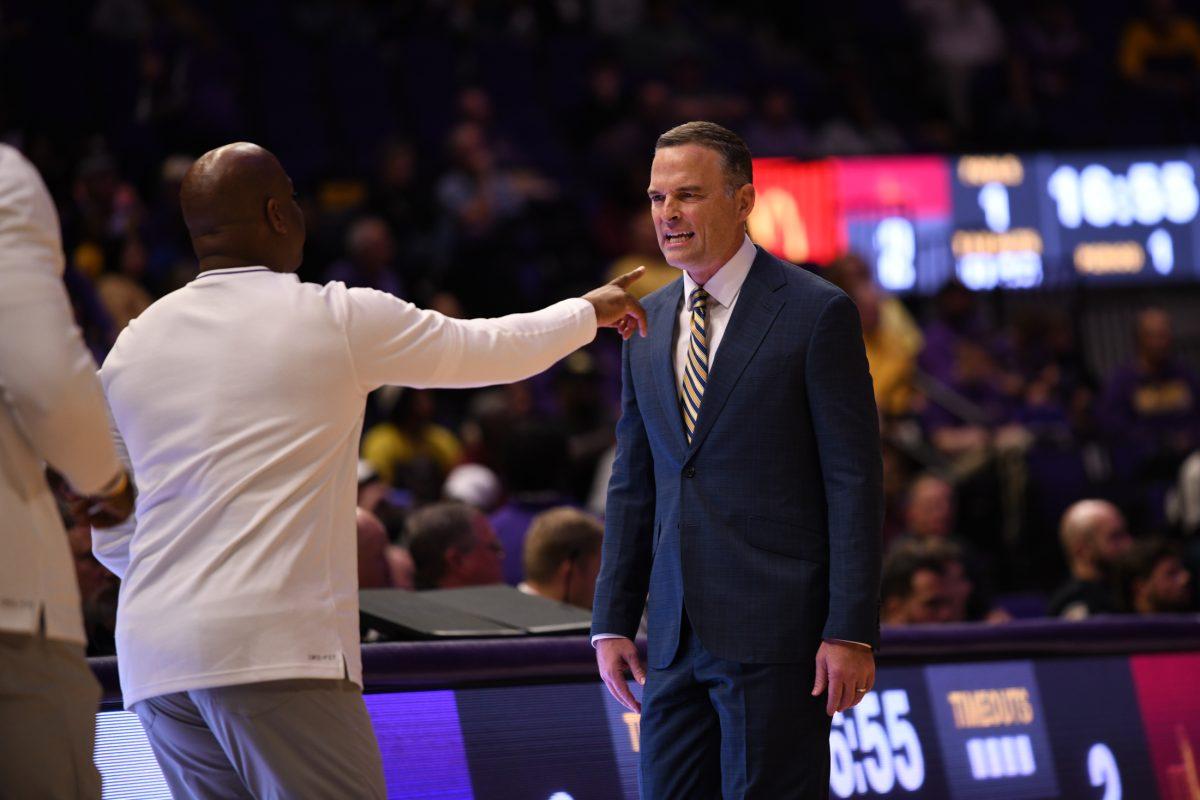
[
  {"x": 726, "y": 282},
  {"x": 208, "y": 273}
]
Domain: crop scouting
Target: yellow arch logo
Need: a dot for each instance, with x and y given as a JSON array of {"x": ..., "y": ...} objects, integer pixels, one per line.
[{"x": 777, "y": 225}]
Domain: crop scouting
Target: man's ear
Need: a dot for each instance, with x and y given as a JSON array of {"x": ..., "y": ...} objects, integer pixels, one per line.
[
  {"x": 453, "y": 559},
  {"x": 275, "y": 217},
  {"x": 745, "y": 201}
]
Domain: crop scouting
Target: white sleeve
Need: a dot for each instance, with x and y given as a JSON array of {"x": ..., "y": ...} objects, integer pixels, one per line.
[
  {"x": 393, "y": 342},
  {"x": 111, "y": 545},
  {"x": 47, "y": 377}
]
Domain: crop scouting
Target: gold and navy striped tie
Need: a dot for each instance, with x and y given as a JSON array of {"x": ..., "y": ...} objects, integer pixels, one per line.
[{"x": 695, "y": 369}]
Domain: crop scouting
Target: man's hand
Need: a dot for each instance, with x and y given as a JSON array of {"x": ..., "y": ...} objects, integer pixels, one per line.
[
  {"x": 843, "y": 669},
  {"x": 617, "y": 308},
  {"x": 613, "y": 656},
  {"x": 101, "y": 511}
]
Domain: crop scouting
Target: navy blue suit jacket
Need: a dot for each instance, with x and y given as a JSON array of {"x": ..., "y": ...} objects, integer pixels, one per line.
[{"x": 767, "y": 527}]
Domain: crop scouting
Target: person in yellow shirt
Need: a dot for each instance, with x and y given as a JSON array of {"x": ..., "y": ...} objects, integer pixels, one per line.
[
  {"x": 891, "y": 336},
  {"x": 410, "y": 436},
  {"x": 1161, "y": 50}
]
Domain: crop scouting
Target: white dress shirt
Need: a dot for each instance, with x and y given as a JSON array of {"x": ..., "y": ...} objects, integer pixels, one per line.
[
  {"x": 51, "y": 410},
  {"x": 723, "y": 289},
  {"x": 239, "y": 400}
]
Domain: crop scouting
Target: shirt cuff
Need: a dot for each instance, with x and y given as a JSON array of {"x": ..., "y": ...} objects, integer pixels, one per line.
[
  {"x": 850, "y": 642},
  {"x": 600, "y": 636}
]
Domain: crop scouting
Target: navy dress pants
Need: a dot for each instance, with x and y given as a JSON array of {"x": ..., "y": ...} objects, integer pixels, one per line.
[{"x": 712, "y": 728}]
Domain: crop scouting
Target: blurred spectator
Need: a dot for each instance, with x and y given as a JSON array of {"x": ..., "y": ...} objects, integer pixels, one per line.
[
  {"x": 892, "y": 339},
  {"x": 481, "y": 203},
  {"x": 643, "y": 252},
  {"x": 931, "y": 516},
  {"x": 969, "y": 603},
  {"x": 956, "y": 319},
  {"x": 373, "y": 572},
  {"x": 930, "y": 509},
  {"x": 1048, "y": 71},
  {"x": 587, "y": 419},
  {"x": 1151, "y": 410},
  {"x": 605, "y": 104},
  {"x": 381, "y": 499},
  {"x": 370, "y": 258},
  {"x": 398, "y": 193},
  {"x": 105, "y": 209},
  {"x": 915, "y": 589},
  {"x": 1094, "y": 539},
  {"x": 1155, "y": 579},
  {"x": 98, "y": 589},
  {"x": 1159, "y": 57},
  {"x": 453, "y": 545},
  {"x": 170, "y": 262},
  {"x": 534, "y": 473},
  {"x": 473, "y": 484},
  {"x": 776, "y": 131},
  {"x": 855, "y": 125},
  {"x": 402, "y": 570},
  {"x": 963, "y": 39},
  {"x": 562, "y": 556},
  {"x": 121, "y": 290},
  {"x": 410, "y": 443}
]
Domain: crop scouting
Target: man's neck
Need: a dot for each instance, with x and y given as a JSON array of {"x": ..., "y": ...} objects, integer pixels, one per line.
[{"x": 702, "y": 275}]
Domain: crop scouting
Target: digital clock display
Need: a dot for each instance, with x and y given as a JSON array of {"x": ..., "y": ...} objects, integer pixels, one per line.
[
  {"x": 996, "y": 221},
  {"x": 1122, "y": 216}
]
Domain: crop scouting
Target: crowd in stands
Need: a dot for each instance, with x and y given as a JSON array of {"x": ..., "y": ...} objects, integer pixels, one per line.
[{"x": 486, "y": 158}]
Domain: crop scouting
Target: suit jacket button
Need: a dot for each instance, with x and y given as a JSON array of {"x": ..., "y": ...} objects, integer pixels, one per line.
[{"x": 690, "y": 472}]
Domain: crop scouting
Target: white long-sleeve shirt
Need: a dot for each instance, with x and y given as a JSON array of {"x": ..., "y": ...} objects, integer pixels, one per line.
[
  {"x": 239, "y": 401},
  {"x": 51, "y": 410}
]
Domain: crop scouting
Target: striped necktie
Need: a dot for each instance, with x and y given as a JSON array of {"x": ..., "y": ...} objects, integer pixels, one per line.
[{"x": 695, "y": 369}]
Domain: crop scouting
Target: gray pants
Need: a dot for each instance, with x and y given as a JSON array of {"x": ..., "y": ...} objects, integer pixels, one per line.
[
  {"x": 48, "y": 700},
  {"x": 278, "y": 739}
]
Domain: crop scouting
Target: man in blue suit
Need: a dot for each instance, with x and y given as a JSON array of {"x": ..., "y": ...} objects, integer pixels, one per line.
[{"x": 745, "y": 500}]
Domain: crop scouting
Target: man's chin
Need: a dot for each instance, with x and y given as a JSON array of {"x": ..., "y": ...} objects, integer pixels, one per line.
[{"x": 673, "y": 260}]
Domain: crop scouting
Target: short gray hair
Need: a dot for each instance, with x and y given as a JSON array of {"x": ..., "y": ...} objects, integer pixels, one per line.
[{"x": 735, "y": 155}]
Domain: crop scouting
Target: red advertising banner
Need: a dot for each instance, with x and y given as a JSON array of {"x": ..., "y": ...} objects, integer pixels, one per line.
[
  {"x": 1168, "y": 690},
  {"x": 795, "y": 214}
]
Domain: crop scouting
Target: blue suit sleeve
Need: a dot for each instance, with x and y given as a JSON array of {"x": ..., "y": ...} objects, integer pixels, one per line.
[
  {"x": 846, "y": 423},
  {"x": 629, "y": 520}
]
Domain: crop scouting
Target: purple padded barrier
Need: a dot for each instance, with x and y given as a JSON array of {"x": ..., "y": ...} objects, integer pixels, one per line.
[{"x": 411, "y": 666}]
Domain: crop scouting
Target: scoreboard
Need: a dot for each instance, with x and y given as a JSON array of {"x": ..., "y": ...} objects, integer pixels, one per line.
[
  {"x": 1103, "y": 728},
  {"x": 1001, "y": 221}
]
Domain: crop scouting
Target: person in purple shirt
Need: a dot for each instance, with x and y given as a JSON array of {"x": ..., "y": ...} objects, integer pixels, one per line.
[
  {"x": 1150, "y": 411},
  {"x": 370, "y": 258},
  {"x": 956, "y": 321},
  {"x": 534, "y": 471}
]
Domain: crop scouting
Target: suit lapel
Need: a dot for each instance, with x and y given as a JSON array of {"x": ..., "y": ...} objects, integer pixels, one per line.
[
  {"x": 755, "y": 310},
  {"x": 663, "y": 322}
]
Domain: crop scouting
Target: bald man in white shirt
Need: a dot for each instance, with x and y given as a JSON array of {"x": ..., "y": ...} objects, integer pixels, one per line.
[
  {"x": 51, "y": 411},
  {"x": 239, "y": 401}
]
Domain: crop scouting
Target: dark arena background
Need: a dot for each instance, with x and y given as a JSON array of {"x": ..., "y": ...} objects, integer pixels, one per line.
[{"x": 1009, "y": 190}]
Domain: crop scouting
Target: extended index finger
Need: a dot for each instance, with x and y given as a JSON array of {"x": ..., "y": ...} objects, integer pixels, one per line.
[{"x": 624, "y": 281}]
